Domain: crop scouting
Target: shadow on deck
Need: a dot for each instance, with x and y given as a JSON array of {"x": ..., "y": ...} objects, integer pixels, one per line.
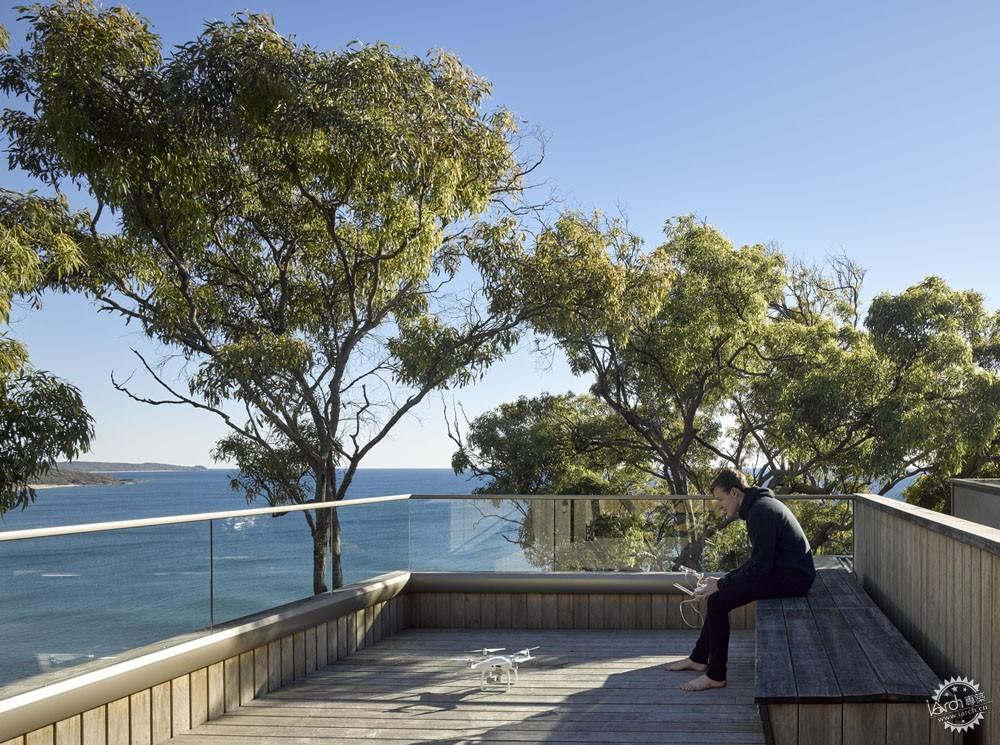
[{"x": 585, "y": 686}]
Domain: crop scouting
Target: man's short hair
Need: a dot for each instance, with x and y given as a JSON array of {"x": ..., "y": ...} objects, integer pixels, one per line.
[{"x": 729, "y": 478}]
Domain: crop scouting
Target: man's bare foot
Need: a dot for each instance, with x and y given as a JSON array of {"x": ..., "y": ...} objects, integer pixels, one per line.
[
  {"x": 686, "y": 664},
  {"x": 701, "y": 683}
]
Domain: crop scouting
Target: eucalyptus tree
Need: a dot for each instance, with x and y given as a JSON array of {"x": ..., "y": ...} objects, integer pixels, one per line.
[
  {"x": 567, "y": 445},
  {"x": 666, "y": 334},
  {"x": 42, "y": 418},
  {"x": 286, "y": 219},
  {"x": 843, "y": 404}
]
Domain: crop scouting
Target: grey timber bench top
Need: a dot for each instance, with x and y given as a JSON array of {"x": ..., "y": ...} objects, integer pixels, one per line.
[{"x": 835, "y": 645}]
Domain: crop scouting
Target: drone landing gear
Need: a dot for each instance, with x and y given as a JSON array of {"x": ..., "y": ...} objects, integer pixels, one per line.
[{"x": 496, "y": 675}]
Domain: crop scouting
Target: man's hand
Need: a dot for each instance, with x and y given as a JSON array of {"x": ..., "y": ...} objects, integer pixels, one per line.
[{"x": 708, "y": 585}]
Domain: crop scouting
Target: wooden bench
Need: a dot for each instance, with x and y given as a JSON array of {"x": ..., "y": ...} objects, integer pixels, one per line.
[{"x": 832, "y": 669}]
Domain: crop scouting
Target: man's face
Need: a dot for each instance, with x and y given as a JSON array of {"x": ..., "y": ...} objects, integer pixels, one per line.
[{"x": 728, "y": 500}]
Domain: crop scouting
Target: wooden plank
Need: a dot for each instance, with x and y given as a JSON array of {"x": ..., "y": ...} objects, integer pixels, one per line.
[
  {"x": 378, "y": 628},
  {"x": 299, "y": 655},
  {"x": 596, "y": 611},
  {"x": 368, "y": 618},
  {"x": 819, "y": 596},
  {"x": 628, "y": 612},
  {"x": 68, "y": 731},
  {"x": 159, "y": 711},
  {"x": 658, "y": 611},
  {"x": 140, "y": 728},
  {"x": 322, "y": 646},
  {"x": 533, "y": 601},
  {"x": 285, "y": 662},
  {"x": 864, "y": 723},
  {"x": 503, "y": 603},
  {"x": 993, "y": 690},
  {"x": 473, "y": 610},
  {"x": 456, "y": 601},
  {"x": 42, "y": 736},
  {"x": 355, "y": 631},
  {"x": 565, "y": 611},
  {"x": 412, "y": 617},
  {"x": 395, "y": 622},
  {"x": 908, "y": 723},
  {"x": 273, "y": 665},
  {"x": 613, "y": 611},
  {"x": 199, "y": 698},
  {"x": 799, "y": 602},
  {"x": 118, "y": 722},
  {"x": 784, "y": 721},
  {"x": 885, "y": 654},
  {"x": 974, "y": 596},
  {"x": 518, "y": 610},
  {"x": 342, "y": 637},
  {"x": 428, "y": 613},
  {"x": 231, "y": 684},
  {"x": 550, "y": 610},
  {"x": 815, "y": 680},
  {"x": 489, "y": 610},
  {"x": 857, "y": 679},
  {"x": 643, "y": 611},
  {"x": 581, "y": 611},
  {"x": 95, "y": 728},
  {"x": 260, "y": 671},
  {"x": 216, "y": 702},
  {"x": 246, "y": 671},
  {"x": 180, "y": 705},
  {"x": 820, "y": 724},
  {"x": 310, "y": 651},
  {"x": 774, "y": 677},
  {"x": 674, "y": 620}
]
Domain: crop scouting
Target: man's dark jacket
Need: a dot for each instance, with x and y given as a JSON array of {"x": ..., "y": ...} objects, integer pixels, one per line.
[{"x": 777, "y": 542}]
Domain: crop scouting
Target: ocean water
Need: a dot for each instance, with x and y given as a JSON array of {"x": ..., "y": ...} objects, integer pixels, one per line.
[{"x": 79, "y": 599}]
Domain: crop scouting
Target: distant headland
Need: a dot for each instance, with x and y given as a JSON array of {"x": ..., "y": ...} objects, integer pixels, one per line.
[
  {"x": 97, "y": 466},
  {"x": 83, "y": 473}
]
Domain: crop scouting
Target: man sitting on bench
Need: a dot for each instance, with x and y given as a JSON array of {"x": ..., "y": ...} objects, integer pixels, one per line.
[{"x": 780, "y": 565}]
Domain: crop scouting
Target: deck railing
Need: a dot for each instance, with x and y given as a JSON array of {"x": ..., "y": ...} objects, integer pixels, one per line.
[
  {"x": 169, "y": 579},
  {"x": 937, "y": 578}
]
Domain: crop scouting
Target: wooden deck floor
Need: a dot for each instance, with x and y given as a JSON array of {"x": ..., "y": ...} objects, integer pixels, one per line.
[{"x": 585, "y": 687}]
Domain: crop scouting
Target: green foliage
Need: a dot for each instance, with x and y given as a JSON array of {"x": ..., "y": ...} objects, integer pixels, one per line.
[
  {"x": 285, "y": 218},
  {"x": 42, "y": 419},
  {"x": 545, "y": 445}
]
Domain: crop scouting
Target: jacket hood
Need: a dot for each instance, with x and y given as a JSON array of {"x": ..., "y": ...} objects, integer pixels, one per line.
[{"x": 751, "y": 495}]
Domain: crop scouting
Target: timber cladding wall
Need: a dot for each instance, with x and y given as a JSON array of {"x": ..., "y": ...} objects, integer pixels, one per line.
[
  {"x": 157, "y": 713},
  {"x": 553, "y": 610},
  {"x": 937, "y": 578}
]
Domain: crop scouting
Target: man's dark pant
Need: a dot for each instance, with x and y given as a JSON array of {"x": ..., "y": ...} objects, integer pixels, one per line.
[{"x": 713, "y": 644}]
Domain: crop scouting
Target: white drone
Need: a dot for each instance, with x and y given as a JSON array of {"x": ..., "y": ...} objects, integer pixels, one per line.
[
  {"x": 696, "y": 596},
  {"x": 495, "y": 668}
]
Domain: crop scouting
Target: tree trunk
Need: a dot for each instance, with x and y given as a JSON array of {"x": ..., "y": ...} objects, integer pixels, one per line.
[
  {"x": 320, "y": 538},
  {"x": 335, "y": 558}
]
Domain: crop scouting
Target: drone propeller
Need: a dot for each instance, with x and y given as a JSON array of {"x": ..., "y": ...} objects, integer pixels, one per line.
[{"x": 486, "y": 650}]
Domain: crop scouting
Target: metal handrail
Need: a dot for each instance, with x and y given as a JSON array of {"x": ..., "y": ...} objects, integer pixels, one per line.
[
  {"x": 17, "y": 535},
  {"x": 620, "y": 497}
]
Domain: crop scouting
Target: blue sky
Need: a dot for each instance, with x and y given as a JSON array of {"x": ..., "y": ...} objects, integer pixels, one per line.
[{"x": 871, "y": 129}]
